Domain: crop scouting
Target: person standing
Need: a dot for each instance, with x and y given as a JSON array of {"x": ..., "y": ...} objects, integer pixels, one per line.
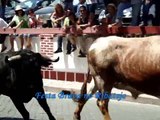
[
  {"x": 136, "y": 7},
  {"x": 3, "y": 24},
  {"x": 68, "y": 4},
  {"x": 2, "y": 8},
  {"x": 157, "y": 12},
  {"x": 147, "y": 13}
]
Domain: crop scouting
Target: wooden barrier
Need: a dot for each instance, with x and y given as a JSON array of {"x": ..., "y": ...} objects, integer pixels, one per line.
[{"x": 101, "y": 30}]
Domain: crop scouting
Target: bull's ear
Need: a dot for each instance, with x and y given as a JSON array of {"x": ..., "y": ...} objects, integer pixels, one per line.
[{"x": 43, "y": 61}]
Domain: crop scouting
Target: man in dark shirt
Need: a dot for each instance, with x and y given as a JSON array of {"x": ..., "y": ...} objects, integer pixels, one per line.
[{"x": 2, "y": 8}]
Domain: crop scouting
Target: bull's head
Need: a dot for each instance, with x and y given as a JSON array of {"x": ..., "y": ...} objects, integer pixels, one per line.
[{"x": 29, "y": 59}]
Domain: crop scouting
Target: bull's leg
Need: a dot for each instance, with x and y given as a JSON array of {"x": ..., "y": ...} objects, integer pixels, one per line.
[
  {"x": 135, "y": 93},
  {"x": 44, "y": 105},
  {"x": 82, "y": 101},
  {"x": 83, "y": 91},
  {"x": 78, "y": 110},
  {"x": 21, "y": 108},
  {"x": 104, "y": 86},
  {"x": 84, "y": 87},
  {"x": 103, "y": 106}
]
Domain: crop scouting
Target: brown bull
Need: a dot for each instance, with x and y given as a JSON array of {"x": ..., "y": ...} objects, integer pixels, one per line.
[{"x": 131, "y": 61}]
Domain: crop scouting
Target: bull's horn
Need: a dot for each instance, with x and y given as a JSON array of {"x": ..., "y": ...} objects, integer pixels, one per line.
[
  {"x": 55, "y": 60},
  {"x": 16, "y": 57}
]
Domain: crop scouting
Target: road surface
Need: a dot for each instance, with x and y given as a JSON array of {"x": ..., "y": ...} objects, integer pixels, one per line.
[{"x": 63, "y": 109}]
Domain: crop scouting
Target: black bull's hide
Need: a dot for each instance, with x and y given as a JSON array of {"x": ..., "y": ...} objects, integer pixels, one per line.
[{"x": 21, "y": 79}]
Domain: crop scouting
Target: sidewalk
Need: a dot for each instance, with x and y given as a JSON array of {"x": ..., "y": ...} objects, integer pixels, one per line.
[{"x": 58, "y": 86}]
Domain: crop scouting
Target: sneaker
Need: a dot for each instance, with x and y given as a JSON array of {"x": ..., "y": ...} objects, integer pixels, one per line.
[
  {"x": 81, "y": 55},
  {"x": 58, "y": 50},
  {"x": 10, "y": 50},
  {"x": 74, "y": 48},
  {"x": 68, "y": 52}
]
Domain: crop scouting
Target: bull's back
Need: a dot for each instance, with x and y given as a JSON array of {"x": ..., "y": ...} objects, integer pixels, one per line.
[
  {"x": 135, "y": 58},
  {"x": 141, "y": 59}
]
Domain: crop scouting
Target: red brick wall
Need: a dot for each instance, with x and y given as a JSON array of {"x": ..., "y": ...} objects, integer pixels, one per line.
[
  {"x": 63, "y": 75},
  {"x": 46, "y": 48}
]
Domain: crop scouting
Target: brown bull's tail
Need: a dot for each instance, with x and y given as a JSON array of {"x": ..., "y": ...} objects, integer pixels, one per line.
[{"x": 83, "y": 88}]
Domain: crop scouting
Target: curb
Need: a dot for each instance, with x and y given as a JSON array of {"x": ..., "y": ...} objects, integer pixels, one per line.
[{"x": 56, "y": 86}]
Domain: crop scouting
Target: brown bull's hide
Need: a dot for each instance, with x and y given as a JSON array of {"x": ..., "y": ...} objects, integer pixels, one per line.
[{"x": 135, "y": 60}]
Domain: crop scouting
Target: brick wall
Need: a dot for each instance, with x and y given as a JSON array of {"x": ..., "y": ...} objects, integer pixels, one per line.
[{"x": 47, "y": 49}]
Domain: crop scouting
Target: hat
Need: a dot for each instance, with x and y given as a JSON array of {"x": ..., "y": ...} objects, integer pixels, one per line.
[{"x": 18, "y": 8}]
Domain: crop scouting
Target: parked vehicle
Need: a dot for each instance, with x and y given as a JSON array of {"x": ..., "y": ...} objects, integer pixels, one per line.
[
  {"x": 45, "y": 13},
  {"x": 26, "y": 5}
]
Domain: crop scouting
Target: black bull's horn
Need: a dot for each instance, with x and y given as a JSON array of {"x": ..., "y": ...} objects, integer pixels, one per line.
[
  {"x": 17, "y": 57},
  {"x": 55, "y": 60}
]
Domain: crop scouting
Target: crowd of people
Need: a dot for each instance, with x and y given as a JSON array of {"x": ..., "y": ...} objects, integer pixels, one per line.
[{"x": 81, "y": 16}]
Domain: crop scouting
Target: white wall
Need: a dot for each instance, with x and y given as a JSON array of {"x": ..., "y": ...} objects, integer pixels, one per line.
[{"x": 70, "y": 63}]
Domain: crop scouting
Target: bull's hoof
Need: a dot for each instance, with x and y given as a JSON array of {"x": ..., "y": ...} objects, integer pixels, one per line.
[
  {"x": 76, "y": 116},
  {"x": 52, "y": 118},
  {"x": 74, "y": 98},
  {"x": 135, "y": 94}
]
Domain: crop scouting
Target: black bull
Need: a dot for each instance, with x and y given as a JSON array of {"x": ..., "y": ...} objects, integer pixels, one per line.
[{"x": 21, "y": 79}]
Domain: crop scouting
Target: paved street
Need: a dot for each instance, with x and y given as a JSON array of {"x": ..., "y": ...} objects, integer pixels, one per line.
[{"x": 63, "y": 110}]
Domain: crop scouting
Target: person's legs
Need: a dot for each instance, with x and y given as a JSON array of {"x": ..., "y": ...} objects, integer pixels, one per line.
[
  {"x": 21, "y": 38},
  {"x": 74, "y": 47},
  {"x": 59, "y": 41},
  {"x": 68, "y": 5},
  {"x": 2, "y": 39},
  {"x": 2, "y": 12},
  {"x": 135, "y": 14},
  {"x": 28, "y": 39},
  {"x": 68, "y": 47},
  {"x": 82, "y": 50},
  {"x": 122, "y": 6},
  {"x": 72, "y": 39},
  {"x": 80, "y": 46},
  {"x": 12, "y": 42}
]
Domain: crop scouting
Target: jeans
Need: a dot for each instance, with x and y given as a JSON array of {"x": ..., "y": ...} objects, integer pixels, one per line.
[
  {"x": 122, "y": 6},
  {"x": 69, "y": 46},
  {"x": 68, "y": 5},
  {"x": 2, "y": 12},
  {"x": 135, "y": 14},
  {"x": 59, "y": 41}
]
